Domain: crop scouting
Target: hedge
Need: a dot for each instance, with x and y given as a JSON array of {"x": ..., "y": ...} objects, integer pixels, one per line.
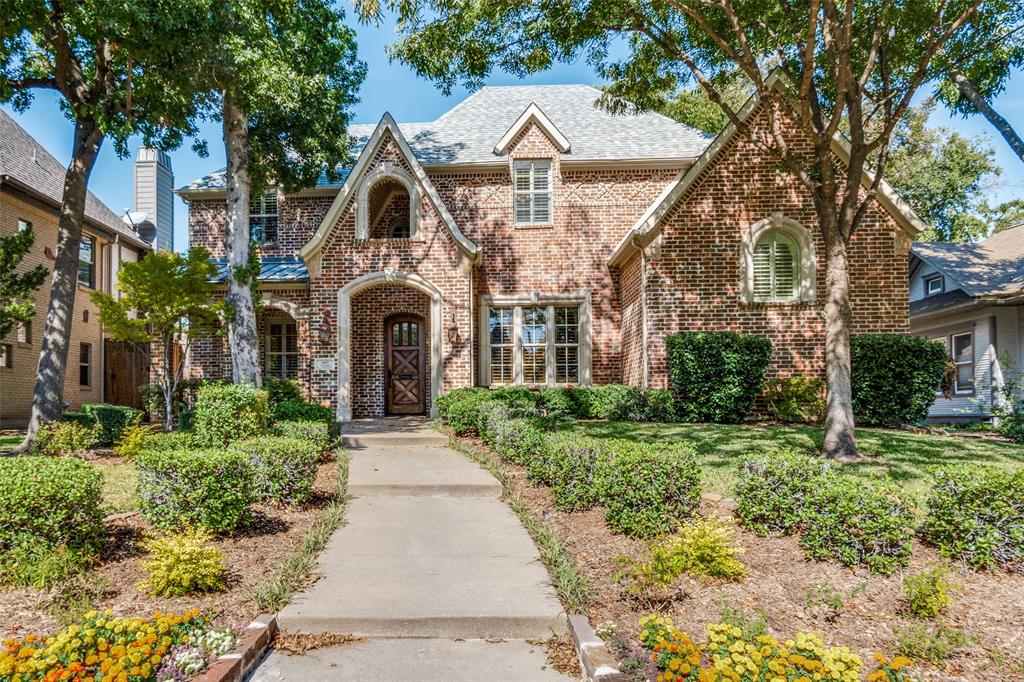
[
  {"x": 208, "y": 488},
  {"x": 228, "y": 412},
  {"x": 894, "y": 377},
  {"x": 716, "y": 376},
  {"x": 773, "y": 490},
  {"x": 317, "y": 433},
  {"x": 976, "y": 515},
  {"x": 112, "y": 419},
  {"x": 298, "y": 410},
  {"x": 283, "y": 468}
]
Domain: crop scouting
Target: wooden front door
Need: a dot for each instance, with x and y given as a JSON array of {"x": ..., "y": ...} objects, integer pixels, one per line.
[{"x": 405, "y": 365}]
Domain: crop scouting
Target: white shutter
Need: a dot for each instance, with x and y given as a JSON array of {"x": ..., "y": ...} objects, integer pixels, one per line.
[
  {"x": 784, "y": 270},
  {"x": 763, "y": 270}
]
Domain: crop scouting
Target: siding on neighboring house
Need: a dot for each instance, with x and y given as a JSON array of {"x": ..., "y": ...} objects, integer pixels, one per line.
[{"x": 923, "y": 272}]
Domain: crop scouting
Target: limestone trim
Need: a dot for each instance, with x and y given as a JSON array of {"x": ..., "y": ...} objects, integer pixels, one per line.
[
  {"x": 806, "y": 259},
  {"x": 533, "y": 114},
  {"x": 371, "y": 279},
  {"x": 386, "y": 169}
]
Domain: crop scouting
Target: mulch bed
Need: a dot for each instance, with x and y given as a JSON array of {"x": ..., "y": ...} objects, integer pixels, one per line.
[
  {"x": 988, "y": 606},
  {"x": 250, "y": 556}
]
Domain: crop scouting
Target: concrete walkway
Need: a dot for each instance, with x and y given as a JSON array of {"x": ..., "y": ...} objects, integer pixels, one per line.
[{"x": 429, "y": 566}]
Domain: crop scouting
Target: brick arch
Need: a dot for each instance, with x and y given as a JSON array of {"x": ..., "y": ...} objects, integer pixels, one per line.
[
  {"x": 391, "y": 171},
  {"x": 366, "y": 281}
]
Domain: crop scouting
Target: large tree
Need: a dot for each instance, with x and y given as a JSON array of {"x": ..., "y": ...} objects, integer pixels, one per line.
[
  {"x": 287, "y": 76},
  {"x": 121, "y": 69},
  {"x": 17, "y": 284},
  {"x": 857, "y": 64}
]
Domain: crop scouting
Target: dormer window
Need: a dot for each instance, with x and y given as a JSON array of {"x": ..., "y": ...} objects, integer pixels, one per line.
[
  {"x": 933, "y": 284},
  {"x": 263, "y": 217},
  {"x": 532, "y": 192}
]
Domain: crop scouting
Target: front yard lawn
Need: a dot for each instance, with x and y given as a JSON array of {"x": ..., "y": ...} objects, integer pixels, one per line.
[{"x": 903, "y": 457}]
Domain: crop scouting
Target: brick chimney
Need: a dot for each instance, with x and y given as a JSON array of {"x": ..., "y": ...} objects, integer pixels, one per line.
[{"x": 153, "y": 186}]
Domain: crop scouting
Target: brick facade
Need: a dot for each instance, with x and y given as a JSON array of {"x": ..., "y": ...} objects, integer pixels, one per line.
[{"x": 688, "y": 281}]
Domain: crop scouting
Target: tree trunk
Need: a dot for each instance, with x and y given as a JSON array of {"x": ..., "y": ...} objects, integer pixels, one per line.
[
  {"x": 840, "y": 441},
  {"x": 48, "y": 395},
  {"x": 168, "y": 384},
  {"x": 245, "y": 368},
  {"x": 972, "y": 95}
]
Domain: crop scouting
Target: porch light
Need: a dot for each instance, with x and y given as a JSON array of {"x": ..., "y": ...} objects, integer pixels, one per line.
[{"x": 453, "y": 332}]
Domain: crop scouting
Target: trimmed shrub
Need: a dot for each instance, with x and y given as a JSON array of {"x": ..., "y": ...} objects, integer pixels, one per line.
[
  {"x": 459, "y": 409},
  {"x": 617, "y": 402},
  {"x": 649, "y": 488},
  {"x": 773, "y": 489},
  {"x": 976, "y": 515},
  {"x": 49, "y": 508},
  {"x": 112, "y": 419},
  {"x": 182, "y": 563},
  {"x": 283, "y": 468},
  {"x": 280, "y": 390},
  {"x": 796, "y": 399},
  {"x": 895, "y": 377},
  {"x": 716, "y": 376},
  {"x": 207, "y": 488},
  {"x": 317, "y": 433},
  {"x": 64, "y": 438},
  {"x": 857, "y": 523},
  {"x": 228, "y": 412},
  {"x": 298, "y": 410},
  {"x": 81, "y": 418},
  {"x": 133, "y": 439},
  {"x": 927, "y": 592},
  {"x": 556, "y": 403},
  {"x": 175, "y": 440},
  {"x": 576, "y": 466}
]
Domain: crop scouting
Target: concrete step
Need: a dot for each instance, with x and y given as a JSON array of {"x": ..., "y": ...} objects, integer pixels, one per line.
[
  {"x": 421, "y": 437},
  {"x": 416, "y": 471},
  {"x": 425, "y": 660}
]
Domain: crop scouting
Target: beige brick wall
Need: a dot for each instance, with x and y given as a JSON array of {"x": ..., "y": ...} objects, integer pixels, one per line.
[{"x": 17, "y": 383}]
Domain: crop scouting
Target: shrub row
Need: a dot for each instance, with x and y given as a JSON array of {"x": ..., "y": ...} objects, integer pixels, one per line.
[
  {"x": 895, "y": 377},
  {"x": 229, "y": 412},
  {"x": 645, "y": 488},
  {"x": 839, "y": 517}
]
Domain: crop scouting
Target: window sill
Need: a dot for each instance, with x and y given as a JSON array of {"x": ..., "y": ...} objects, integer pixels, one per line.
[{"x": 533, "y": 226}]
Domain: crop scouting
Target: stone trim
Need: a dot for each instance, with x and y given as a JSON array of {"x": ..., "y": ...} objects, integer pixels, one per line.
[
  {"x": 253, "y": 642},
  {"x": 345, "y": 294},
  {"x": 596, "y": 661},
  {"x": 807, "y": 260},
  {"x": 533, "y": 113}
]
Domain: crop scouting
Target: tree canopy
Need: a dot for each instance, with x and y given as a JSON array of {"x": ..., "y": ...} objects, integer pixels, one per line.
[{"x": 17, "y": 284}]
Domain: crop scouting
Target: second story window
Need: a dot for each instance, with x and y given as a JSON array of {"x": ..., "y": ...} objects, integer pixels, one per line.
[
  {"x": 87, "y": 261},
  {"x": 933, "y": 285},
  {"x": 532, "y": 191},
  {"x": 263, "y": 217}
]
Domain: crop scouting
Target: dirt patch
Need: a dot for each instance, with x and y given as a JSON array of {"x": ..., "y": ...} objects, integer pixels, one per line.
[
  {"x": 251, "y": 556},
  {"x": 780, "y": 587}
]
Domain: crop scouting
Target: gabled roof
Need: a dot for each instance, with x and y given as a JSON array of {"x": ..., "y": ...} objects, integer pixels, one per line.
[
  {"x": 26, "y": 164},
  {"x": 649, "y": 224},
  {"x": 533, "y": 114},
  {"x": 993, "y": 267},
  {"x": 387, "y": 125},
  {"x": 467, "y": 133}
]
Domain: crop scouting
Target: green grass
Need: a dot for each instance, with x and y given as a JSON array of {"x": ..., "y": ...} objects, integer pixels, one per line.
[
  {"x": 9, "y": 441},
  {"x": 901, "y": 457},
  {"x": 118, "y": 486}
]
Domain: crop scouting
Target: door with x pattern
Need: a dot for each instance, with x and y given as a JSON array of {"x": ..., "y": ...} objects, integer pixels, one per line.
[{"x": 405, "y": 365}]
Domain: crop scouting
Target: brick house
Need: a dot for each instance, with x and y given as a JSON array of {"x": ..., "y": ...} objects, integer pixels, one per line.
[
  {"x": 31, "y": 186},
  {"x": 528, "y": 237}
]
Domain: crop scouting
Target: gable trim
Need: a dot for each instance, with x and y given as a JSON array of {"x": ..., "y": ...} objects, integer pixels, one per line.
[
  {"x": 311, "y": 248},
  {"x": 648, "y": 225},
  {"x": 532, "y": 114}
]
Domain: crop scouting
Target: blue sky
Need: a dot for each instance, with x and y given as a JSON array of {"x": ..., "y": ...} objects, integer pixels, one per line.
[{"x": 393, "y": 87}]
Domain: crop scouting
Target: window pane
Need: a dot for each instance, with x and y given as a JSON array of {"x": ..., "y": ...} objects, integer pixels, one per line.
[
  {"x": 501, "y": 325},
  {"x": 535, "y": 325},
  {"x": 523, "y": 208},
  {"x": 501, "y": 365},
  {"x": 965, "y": 377},
  {"x": 5, "y": 355},
  {"x": 963, "y": 349},
  {"x": 541, "y": 208},
  {"x": 534, "y": 365},
  {"x": 567, "y": 365},
  {"x": 522, "y": 171},
  {"x": 785, "y": 270},
  {"x": 763, "y": 271},
  {"x": 566, "y": 325},
  {"x": 540, "y": 176}
]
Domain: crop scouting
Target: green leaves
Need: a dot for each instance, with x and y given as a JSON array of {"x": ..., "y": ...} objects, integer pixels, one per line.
[
  {"x": 895, "y": 377},
  {"x": 16, "y": 288}
]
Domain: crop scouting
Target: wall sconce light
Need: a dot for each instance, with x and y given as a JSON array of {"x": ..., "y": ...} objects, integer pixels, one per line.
[
  {"x": 325, "y": 331},
  {"x": 453, "y": 332}
]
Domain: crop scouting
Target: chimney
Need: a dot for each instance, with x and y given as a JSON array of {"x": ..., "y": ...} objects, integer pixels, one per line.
[{"x": 153, "y": 185}]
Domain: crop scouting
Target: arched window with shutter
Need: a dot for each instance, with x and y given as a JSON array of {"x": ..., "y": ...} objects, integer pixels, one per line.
[{"x": 778, "y": 262}]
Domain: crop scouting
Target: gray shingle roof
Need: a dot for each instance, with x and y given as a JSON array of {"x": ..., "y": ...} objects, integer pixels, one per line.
[
  {"x": 467, "y": 133},
  {"x": 272, "y": 269},
  {"x": 993, "y": 267},
  {"x": 26, "y": 161}
]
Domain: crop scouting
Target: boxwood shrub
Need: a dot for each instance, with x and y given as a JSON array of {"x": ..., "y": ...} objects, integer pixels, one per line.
[
  {"x": 894, "y": 378},
  {"x": 460, "y": 409},
  {"x": 716, "y": 376},
  {"x": 48, "y": 505},
  {"x": 209, "y": 488},
  {"x": 649, "y": 488},
  {"x": 112, "y": 419},
  {"x": 857, "y": 523},
  {"x": 773, "y": 490},
  {"x": 297, "y": 409},
  {"x": 976, "y": 515},
  {"x": 577, "y": 470},
  {"x": 228, "y": 412},
  {"x": 64, "y": 438},
  {"x": 317, "y": 433},
  {"x": 283, "y": 468}
]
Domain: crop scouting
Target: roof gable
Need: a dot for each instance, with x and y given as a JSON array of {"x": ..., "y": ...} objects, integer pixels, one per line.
[
  {"x": 532, "y": 114},
  {"x": 387, "y": 125},
  {"x": 648, "y": 226},
  {"x": 992, "y": 267}
]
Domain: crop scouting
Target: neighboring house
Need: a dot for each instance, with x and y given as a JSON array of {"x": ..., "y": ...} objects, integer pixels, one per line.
[
  {"x": 98, "y": 370},
  {"x": 528, "y": 237},
  {"x": 971, "y": 298}
]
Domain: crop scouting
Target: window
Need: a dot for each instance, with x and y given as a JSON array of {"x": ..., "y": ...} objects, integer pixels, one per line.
[
  {"x": 963, "y": 356},
  {"x": 6, "y": 356},
  {"x": 282, "y": 350},
  {"x": 24, "y": 225},
  {"x": 532, "y": 192},
  {"x": 25, "y": 332},
  {"x": 85, "y": 364},
  {"x": 532, "y": 344},
  {"x": 502, "y": 345},
  {"x": 775, "y": 268},
  {"x": 400, "y": 227},
  {"x": 263, "y": 217},
  {"x": 87, "y": 261},
  {"x": 933, "y": 285}
]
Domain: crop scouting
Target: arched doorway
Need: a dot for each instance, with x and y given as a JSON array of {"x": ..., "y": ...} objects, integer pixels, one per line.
[{"x": 405, "y": 365}]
